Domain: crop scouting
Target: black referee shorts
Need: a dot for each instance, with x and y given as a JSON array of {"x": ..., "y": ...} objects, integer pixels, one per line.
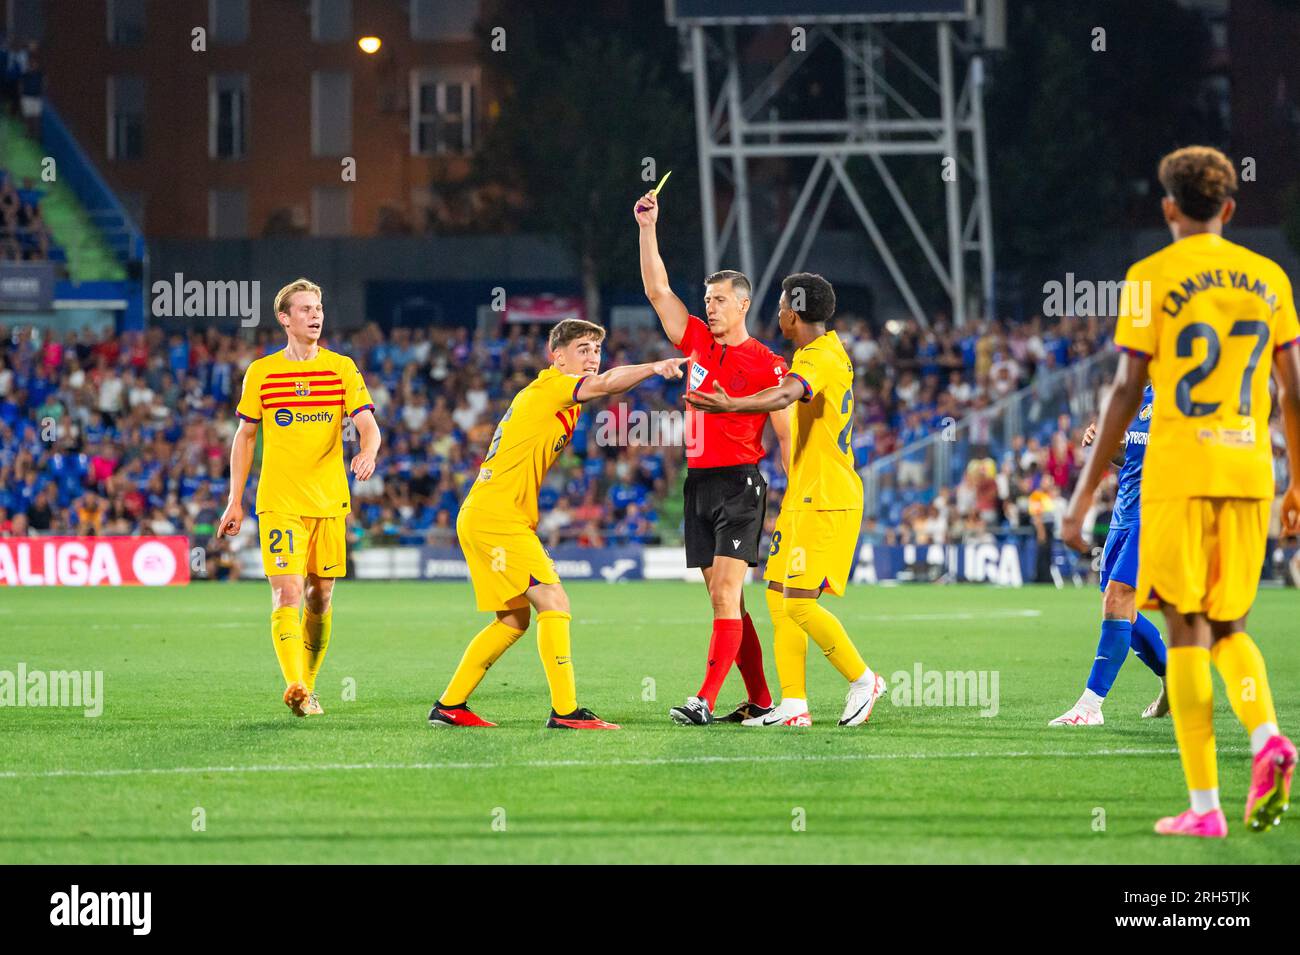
[{"x": 725, "y": 508}]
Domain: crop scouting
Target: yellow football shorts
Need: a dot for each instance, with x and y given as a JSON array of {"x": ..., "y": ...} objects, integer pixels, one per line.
[
  {"x": 814, "y": 550},
  {"x": 303, "y": 545},
  {"x": 505, "y": 558},
  {"x": 1203, "y": 554}
]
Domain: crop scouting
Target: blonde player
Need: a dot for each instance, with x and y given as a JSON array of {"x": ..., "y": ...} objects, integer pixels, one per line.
[
  {"x": 1219, "y": 318},
  {"x": 497, "y": 525},
  {"x": 821, "y": 514},
  {"x": 299, "y": 396}
]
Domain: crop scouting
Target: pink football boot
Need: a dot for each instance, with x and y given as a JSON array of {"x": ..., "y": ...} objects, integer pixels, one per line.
[
  {"x": 1210, "y": 825},
  {"x": 1270, "y": 784}
]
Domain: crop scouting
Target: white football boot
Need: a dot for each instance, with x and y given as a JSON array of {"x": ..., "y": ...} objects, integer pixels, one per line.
[
  {"x": 786, "y": 713},
  {"x": 861, "y": 698},
  {"x": 1080, "y": 715}
]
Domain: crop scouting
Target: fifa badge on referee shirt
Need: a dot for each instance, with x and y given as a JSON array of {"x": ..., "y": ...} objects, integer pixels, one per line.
[{"x": 698, "y": 374}]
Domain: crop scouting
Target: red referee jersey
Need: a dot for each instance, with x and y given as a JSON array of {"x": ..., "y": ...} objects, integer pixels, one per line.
[{"x": 720, "y": 440}]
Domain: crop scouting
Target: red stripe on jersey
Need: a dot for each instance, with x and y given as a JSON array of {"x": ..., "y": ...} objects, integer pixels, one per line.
[
  {"x": 568, "y": 425},
  {"x": 281, "y": 385},
  {"x": 304, "y": 404},
  {"x": 302, "y": 374},
  {"x": 272, "y": 395},
  {"x": 1132, "y": 351}
]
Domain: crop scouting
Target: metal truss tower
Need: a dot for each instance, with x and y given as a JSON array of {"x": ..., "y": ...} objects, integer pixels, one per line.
[{"x": 735, "y": 125}]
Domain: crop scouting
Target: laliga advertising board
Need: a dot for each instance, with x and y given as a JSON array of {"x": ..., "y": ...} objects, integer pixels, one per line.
[{"x": 93, "y": 561}]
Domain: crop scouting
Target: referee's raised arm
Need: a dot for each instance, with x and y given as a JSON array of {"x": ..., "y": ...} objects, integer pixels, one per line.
[{"x": 672, "y": 312}]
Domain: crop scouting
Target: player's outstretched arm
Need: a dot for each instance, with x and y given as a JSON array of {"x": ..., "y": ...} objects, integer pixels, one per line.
[
  {"x": 672, "y": 312},
  {"x": 1118, "y": 408},
  {"x": 363, "y": 463},
  {"x": 776, "y": 398},
  {"x": 1286, "y": 372},
  {"x": 241, "y": 462},
  {"x": 626, "y": 377}
]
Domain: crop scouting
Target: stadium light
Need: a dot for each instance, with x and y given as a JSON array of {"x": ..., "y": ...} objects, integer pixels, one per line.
[{"x": 370, "y": 44}]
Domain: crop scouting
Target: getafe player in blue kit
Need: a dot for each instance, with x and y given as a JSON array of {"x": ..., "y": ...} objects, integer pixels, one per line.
[{"x": 1122, "y": 626}]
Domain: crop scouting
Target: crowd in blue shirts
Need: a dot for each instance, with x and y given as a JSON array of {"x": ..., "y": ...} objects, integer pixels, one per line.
[{"x": 102, "y": 433}]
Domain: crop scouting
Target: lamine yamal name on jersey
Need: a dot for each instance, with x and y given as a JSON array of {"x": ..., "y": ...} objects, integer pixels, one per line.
[{"x": 1216, "y": 278}]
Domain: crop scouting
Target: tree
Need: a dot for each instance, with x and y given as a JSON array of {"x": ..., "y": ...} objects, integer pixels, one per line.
[
  {"x": 1075, "y": 132},
  {"x": 586, "y": 98},
  {"x": 1291, "y": 216}
]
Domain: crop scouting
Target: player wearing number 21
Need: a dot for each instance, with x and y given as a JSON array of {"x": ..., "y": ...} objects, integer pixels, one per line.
[
  {"x": 298, "y": 397},
  {"x": 1221, "y": 318},
  {"x": 816, "y": 534}
]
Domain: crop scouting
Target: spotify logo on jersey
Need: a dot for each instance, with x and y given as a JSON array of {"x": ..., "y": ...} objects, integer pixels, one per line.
[{"x": 284, "y": 417}]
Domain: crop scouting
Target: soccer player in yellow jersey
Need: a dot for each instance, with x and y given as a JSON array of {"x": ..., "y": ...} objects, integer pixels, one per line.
[
  {"x": 816, "y": 535},
  {"x": 1217, "y": 319},
  {"x": 497, "y": 525},
  {"x": 299, "y": 397}
]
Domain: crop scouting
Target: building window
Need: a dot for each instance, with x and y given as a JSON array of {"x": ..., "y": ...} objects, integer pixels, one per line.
[
  {"x": 444, "y": 106},
  {"x": 125, "y": 117},
  {"x": 331, "y": 20},
  {"x": 331, "y": 210},
  {"x": 331, "y": 113},
  {"x": 228, "y": 115},
  {"x": 227, "y": 213},
  {"x": 443, "y": 19},
  {"x": 228, "y": 21},
  {"x": 125, "y": 22}
]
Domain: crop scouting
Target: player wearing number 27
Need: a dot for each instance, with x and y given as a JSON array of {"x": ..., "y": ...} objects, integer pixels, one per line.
[
  {"x": 1220, "y": 319},
  {"x": 816, "y": 535},
  {"x": 299, "y": 396}
]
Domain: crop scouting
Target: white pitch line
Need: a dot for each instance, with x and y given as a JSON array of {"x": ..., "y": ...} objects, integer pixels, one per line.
[
  {"x": 970, "y": 615},
  {"x": 872, "y": 618},
  {"x": 584, "y": 763}
]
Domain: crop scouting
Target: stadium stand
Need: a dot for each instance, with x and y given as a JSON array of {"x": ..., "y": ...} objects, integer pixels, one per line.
[{"x": 129, "y": 433}]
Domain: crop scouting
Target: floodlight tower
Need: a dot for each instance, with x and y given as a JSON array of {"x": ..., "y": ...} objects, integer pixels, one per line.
[{"x": 878, "y": 122}]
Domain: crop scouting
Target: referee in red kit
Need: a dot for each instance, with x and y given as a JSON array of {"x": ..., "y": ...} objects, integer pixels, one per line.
[{"x": 726, "y": 496}]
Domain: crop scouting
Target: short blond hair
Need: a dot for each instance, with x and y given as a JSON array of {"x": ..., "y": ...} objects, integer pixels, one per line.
[
  {"x": 572, "y": 329},
  {"x": 297, "y": 285}
]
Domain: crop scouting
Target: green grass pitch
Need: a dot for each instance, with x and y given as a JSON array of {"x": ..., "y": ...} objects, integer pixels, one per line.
[{"x": 192, "y": 720}]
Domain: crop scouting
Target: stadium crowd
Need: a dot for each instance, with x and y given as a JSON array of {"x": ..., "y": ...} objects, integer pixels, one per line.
[
  {"x": 22, "y": 81},
  {"x": 130, "y": 434},
  {"x": 24, "y": 236}
]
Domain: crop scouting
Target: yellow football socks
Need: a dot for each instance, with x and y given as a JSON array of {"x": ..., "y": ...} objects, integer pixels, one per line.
[
  {"x": 1191, "y": 704},
  {"x": 1242, "y": 667},
  {"x": 790, "y": 647},
  {"x": 315, "y": 641},
  {"x": 829, "y": 634},
  {"x": 286, "y": 636},
  {"x": 553, "y": 647},
  {"x": 483, "y": 651}
]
